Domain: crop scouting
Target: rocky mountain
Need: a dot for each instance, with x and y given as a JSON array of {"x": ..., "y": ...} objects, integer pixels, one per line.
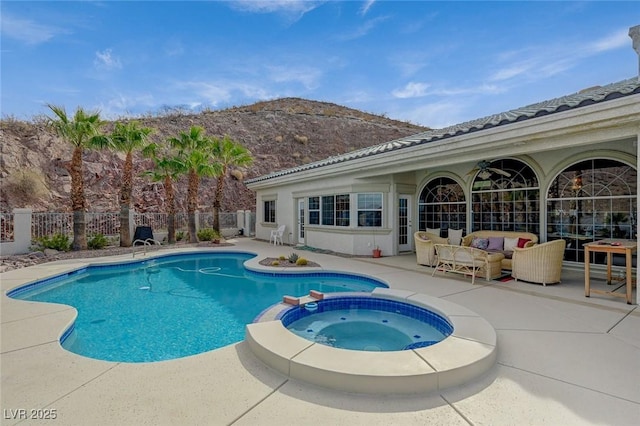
[{"x": 280, "y": 134}]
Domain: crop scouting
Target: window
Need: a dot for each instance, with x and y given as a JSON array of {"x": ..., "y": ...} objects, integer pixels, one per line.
[
  {"x": 442, "y": 205},
  {"x": 589, "y": 201},
  {"x": 370, "y": 209},
  {"x": 330, "y": 210},
  {"x": 270, "y": 211},
  {"x": 342, "y": 210},
  {"x": 314, "y": 210},
  {"x": 507, "y": 199}
]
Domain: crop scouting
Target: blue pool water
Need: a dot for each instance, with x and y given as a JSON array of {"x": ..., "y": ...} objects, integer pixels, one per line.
[
  {"x": 173, "y": 306},
  {"x": 367, "y": 324}
]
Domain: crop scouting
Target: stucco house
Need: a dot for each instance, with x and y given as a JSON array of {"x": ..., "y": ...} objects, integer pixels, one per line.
[{"x": 562, "y": 168}]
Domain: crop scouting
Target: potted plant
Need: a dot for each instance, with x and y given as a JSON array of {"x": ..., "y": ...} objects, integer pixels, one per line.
[{"x": 376, "y": 250}]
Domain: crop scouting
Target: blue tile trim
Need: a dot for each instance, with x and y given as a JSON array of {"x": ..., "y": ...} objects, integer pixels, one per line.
[
  {"x": 18, "y": 291},
  {"x": 38, "y": 284},
  {"x": 324, "y": 274},
  {"x": 336, "y": 303},
  {"x": 67, "y": 332}
]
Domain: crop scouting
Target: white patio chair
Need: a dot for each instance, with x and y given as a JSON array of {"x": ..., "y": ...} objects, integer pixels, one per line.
[{"x": 276, "y": 235}]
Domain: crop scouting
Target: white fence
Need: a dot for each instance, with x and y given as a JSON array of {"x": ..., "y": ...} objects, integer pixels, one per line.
[{"x": 19, "y": 228}]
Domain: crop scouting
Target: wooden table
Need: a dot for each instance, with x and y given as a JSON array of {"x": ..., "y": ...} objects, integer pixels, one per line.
[{"x": 626, "y": 247}]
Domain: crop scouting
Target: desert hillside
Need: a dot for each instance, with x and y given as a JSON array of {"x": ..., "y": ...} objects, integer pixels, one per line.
[{"x": 280, "y": 134}]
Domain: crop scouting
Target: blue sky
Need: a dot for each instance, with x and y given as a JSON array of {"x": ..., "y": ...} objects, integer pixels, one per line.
[{"x": 426, "y": 62}]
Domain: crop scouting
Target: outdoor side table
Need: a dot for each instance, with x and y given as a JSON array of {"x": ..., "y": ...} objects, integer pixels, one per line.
[{"x": 626, "y": 247}]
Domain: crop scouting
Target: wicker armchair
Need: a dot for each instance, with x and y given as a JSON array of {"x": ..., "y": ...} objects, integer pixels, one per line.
[
  {"x": 541, "y": 263},
  {"x": 425, "y": 252}
]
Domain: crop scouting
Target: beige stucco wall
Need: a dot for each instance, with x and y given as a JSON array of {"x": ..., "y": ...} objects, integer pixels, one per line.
[{"x": 548, "y": 144}]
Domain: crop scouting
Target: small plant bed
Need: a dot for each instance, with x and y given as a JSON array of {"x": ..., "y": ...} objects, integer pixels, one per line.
[{"x": 291, "y": 261}]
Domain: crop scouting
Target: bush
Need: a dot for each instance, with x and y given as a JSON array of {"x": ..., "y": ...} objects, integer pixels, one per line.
[
  {"x": 180, "y": 235},
  {"x": 97, "y": 242},
  {"x": 208, "y": 234},
  {"x": 58, "y": 242},
  {"x": 275, "y": 263},
  {"x": 293, "y": 258},
  {"x": 301, "y": 262},
  {"x": 282, "y": 258}
]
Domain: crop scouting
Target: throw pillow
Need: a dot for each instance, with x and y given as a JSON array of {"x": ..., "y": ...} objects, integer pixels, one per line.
[
  {"x": 510, "y": 243},
  {"x": 496, "y": 243},
  {"x": 480, "y": 243},
  {"x": 522, "y": 242},
  {"x": 455, "y": 236},
  {"x": 435, "y": 231}
]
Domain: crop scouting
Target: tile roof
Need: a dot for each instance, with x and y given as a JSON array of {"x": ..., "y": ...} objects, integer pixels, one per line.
[{"x": 583, "y": 98}]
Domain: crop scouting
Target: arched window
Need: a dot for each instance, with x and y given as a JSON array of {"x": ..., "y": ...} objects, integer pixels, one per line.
[
  {"x": 506, "y": 197},
  {"x": 592, "y": 200},
  {"x": 442, "y": 205}
]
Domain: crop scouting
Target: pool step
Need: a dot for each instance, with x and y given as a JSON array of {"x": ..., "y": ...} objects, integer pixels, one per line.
[{"x": 313, "y": 297}]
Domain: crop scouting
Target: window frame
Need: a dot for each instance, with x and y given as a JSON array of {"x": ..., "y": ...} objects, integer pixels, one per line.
[
  {"x": 365, "y": 211},
  {"x": 269, "y": 211}
]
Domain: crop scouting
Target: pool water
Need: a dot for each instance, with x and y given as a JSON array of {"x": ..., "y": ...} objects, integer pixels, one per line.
[
  {"x": 367, "y": 324},
  {"x": 174, "y": 306}
]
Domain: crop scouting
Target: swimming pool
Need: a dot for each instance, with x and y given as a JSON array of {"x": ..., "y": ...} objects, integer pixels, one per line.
[
  {"x": 367, "y": 324},
  {"x": 172, "y": 306}
]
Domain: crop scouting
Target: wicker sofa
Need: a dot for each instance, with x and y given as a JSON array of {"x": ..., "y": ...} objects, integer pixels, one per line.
[
  {"x": 541, "y": 263},
  {"x": 425, "y": 252},
  {"x": 508, "y": 253}
]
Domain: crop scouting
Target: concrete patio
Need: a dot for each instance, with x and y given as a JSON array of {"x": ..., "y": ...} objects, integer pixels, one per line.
[{"x": 563, "y": 359}]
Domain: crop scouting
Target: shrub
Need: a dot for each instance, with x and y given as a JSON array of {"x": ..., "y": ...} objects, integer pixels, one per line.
[
  {"x": 97, "y": 242},
  {"x": 180, "y": 235},
  {"x": 58, "y": 242},
  {"x": 293, "y": 258},
  {"x": 301, "y": 262},
  {"x": 275, "y": 263},
  {"x": 25, "y": 187},
  {"x": 208, "y": 234},
  {"x": 282, "y": 258}
]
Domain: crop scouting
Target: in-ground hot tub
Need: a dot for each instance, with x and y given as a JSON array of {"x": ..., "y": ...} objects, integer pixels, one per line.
[
  {"x": 469, "y": 351},
  {"x": 366, "y": 323}
]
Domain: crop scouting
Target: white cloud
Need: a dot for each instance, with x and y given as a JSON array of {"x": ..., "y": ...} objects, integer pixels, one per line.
[
  {"x": 174, "y": 48},
  {"x": 510, "y": 71},
  {"x": 215, "y": 93},
  {"x": 307, "y": 76},
  {"x": 119, "y": 105},
  {"x": 366, "y": 6},
  {"x": 435, "y": 115},
  {"x": 411, "y": 90},
  {"x": 28, "y": 31},
  {"x": 417, "y": 90},
  {"x": 291, "y": 9},
  {"x": 363, "y": 29},
  {"x": 548, "y": 60},
  {"x": 106, "y": 61},
  {"x": 615, "y": 40}
]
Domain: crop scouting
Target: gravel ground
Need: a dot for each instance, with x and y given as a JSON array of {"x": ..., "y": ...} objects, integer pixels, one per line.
[{"x": 8, "y": 263}]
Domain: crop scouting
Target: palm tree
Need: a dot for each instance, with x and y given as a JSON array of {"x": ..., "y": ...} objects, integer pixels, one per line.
[
  {"x": 195, "y": 153},
  {"x": 229, "y": 154},
  {"x": 127, "y": 138},
  {"x": 82, "y": 131},
  {"x": 166, "y": 169}
]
